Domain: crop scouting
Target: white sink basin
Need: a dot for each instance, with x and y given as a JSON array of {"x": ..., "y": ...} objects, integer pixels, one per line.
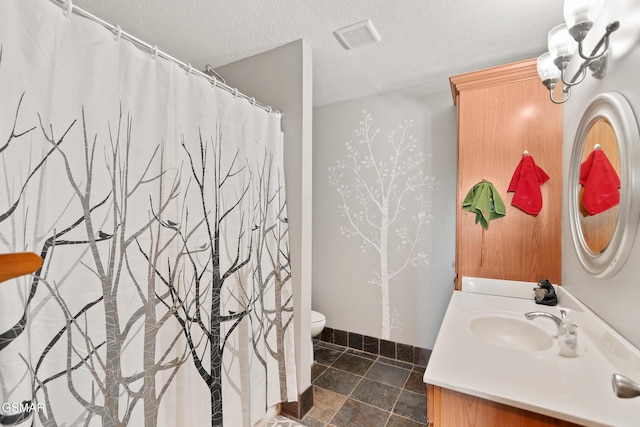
[
  {"x": 484, "y": 363},
  {"x": 511, "y": 333}
]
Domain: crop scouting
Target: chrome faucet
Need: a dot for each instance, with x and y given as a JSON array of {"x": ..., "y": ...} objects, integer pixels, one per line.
[
  {"x": 533, "y": 314},
  {"x": 624, "y": 387}
]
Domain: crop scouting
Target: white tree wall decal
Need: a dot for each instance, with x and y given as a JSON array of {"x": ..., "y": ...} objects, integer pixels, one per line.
[{"x": 373, "y": 183}]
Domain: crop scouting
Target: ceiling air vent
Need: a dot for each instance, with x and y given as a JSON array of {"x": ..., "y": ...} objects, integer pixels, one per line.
[{"x": 356, "y": 35}]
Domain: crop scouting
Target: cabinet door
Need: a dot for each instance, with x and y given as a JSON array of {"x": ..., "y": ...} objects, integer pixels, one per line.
[
  {"x": 502, "y": 113},
  {"x": 454, "y": 409}
]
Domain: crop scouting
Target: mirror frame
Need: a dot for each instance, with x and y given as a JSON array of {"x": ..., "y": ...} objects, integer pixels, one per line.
[{"x": 614, "y": 108}]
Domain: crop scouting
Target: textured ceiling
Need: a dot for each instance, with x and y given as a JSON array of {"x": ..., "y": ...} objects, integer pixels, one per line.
[{"x": 423, "y": 41}]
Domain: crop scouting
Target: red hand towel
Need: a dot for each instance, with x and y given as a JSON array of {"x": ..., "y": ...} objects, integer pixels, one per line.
[
  {"x": 601, "y": 183},
  {"x": 525, "y": 184}
]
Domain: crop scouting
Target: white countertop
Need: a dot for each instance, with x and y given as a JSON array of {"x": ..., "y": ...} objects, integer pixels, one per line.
[{"x": 574, "y": 389}]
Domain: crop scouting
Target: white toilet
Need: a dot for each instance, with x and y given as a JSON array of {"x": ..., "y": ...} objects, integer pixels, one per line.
[{"x": 317, "y": 323}]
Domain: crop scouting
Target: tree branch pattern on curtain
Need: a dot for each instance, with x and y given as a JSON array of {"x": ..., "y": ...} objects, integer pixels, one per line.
[{"x": 158, "y": 206}]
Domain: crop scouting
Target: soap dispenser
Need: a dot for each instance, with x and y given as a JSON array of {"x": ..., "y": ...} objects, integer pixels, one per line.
[{"x": 567, "y": 336}]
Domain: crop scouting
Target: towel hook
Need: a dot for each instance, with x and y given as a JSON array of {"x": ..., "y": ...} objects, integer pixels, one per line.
[
  {"x": 525, "y": 153},
  {"x": 597, "y": 147}
]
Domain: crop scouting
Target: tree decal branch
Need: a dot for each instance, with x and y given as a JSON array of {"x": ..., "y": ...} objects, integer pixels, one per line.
[{"x": 374, "y": 184}]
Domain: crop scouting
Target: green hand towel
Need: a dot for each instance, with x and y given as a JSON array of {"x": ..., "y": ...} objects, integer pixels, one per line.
[{"x": 485, "y": 202}]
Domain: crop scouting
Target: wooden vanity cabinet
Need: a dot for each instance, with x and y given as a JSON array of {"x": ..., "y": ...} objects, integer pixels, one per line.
[
  {"x": 502, "y": 112},
  {"x": 448, "y": 408}
]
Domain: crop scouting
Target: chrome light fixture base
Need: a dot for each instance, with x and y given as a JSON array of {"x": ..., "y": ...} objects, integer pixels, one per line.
[
  {"x": 598, "y": 67},
  {"x": 550, "y": 84},
  {"x": 562, "y": 61},
  {"x": 580, "y": 30}
]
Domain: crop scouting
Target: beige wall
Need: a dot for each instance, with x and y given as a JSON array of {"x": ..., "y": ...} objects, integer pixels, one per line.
[{"x": 342, "y": 272}]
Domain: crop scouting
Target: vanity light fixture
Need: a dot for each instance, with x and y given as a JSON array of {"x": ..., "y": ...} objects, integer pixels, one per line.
[{"x": 564, "y": 39}]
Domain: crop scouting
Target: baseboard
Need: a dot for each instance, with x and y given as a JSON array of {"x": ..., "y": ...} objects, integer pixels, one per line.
[
  {"x": 389, "y": 349},
  {"x": 299, "y": 408}
]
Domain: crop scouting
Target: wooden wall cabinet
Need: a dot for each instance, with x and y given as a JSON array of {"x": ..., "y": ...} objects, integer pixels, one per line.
[
  {"x": 448, "y": 408},
  {"x": 502, "y": 112}
]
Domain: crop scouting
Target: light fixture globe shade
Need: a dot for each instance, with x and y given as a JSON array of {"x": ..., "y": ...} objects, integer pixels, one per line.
[
  {"x": 579, "y": 16},
  {"x": 547, "y": 70},
  {"x": 580, "y": 11},
  {"x": 561, "y": 45}
]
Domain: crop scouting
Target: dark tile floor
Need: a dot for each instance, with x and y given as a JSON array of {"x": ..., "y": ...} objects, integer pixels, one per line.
[{"x": 358, "y": 389}]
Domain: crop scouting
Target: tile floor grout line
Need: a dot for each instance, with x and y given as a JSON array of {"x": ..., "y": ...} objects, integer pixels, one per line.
[
  {"x": 407, "y": 367},
  {"x": 362, "y": 377},
  {"x": 365, "y": 403}
]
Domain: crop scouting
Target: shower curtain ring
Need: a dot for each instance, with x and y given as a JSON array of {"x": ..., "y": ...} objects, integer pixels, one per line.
[
  {"x": 269, "y": 109},
  {"x": 253, "y": 101},
  {"x": 235, "y": 92},
  {"x": 189, "y": 69},
  {"x": 117, "y": 33},
  {"x": 68, "y": 8},
  {"x": 155, "y": 51},
  {"x": 214, "y": 82}
]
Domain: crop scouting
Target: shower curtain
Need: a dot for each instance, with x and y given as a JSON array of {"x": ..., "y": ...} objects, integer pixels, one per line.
[{"x": 157, "y": 203}]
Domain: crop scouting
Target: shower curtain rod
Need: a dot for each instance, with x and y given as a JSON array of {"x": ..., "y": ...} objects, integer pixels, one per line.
[{"x": 68, "y": 7}]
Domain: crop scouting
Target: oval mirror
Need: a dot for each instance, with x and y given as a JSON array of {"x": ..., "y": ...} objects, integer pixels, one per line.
[
  {"x": 604, "y": 237},
  {"x": 598, "y": 229}
]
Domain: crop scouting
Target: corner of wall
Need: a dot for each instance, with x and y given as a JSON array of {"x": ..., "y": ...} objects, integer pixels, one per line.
[{"x": 285, "y": 83}]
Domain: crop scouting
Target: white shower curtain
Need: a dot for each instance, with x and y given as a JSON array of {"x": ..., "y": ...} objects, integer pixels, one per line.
[{"x": 158, "y": 206}]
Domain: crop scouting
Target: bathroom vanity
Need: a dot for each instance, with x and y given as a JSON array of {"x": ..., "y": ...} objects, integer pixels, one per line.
[{"x": 490, "y": 363}]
